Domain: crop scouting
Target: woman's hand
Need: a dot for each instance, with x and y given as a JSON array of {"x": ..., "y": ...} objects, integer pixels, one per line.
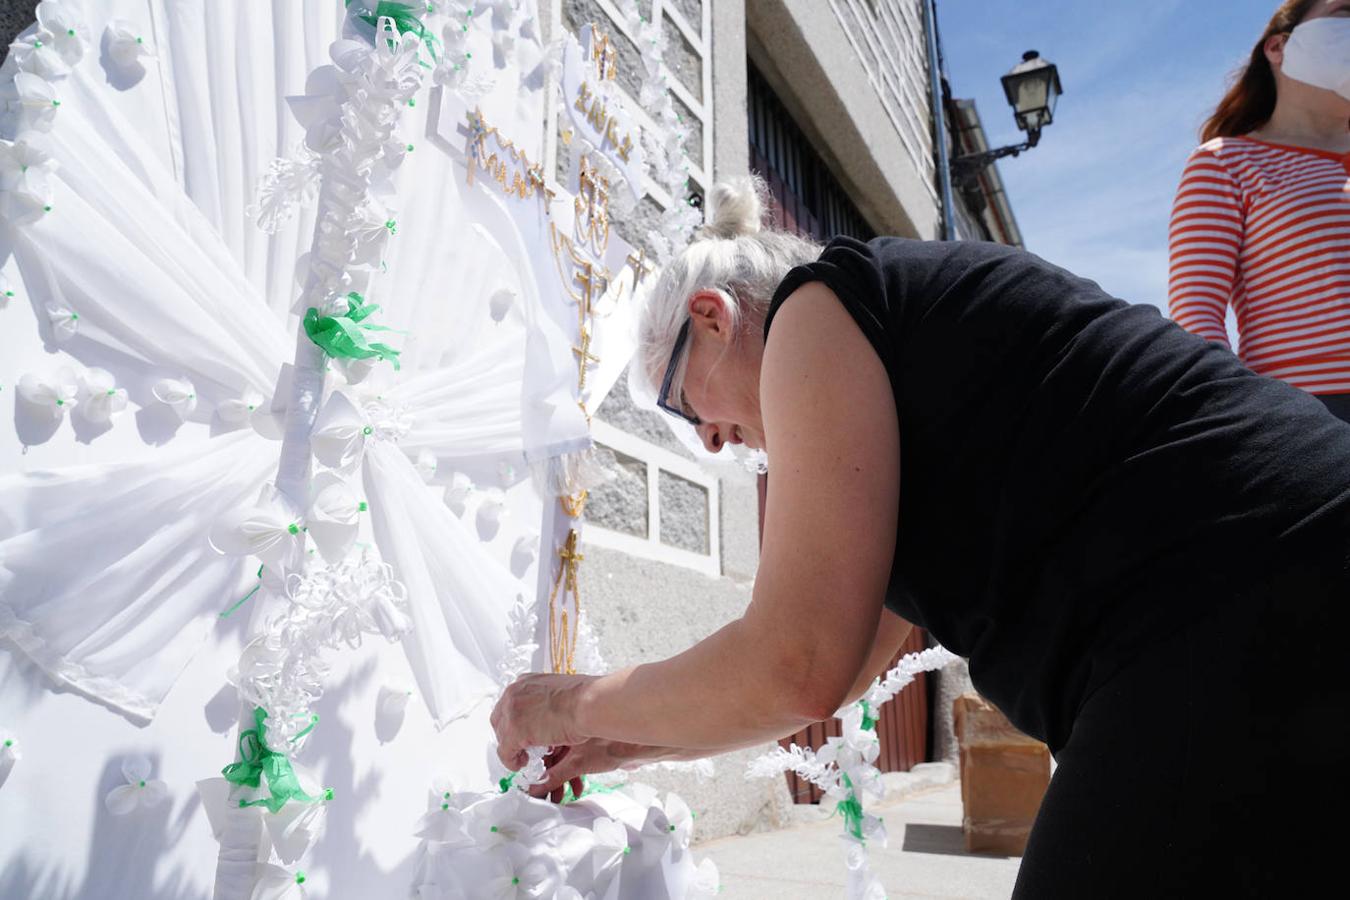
[
  {"x": 537, "y": 711},
  {"x": 565, "y": 765}
]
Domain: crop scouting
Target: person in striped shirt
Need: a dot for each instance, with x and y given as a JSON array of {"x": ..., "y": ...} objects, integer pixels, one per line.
[{"x": 1262, "y": 217}]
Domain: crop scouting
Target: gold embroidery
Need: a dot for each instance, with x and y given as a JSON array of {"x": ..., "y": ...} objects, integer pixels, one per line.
[
  {"x": 562, "y": 633},
  {"x": 604, "y": 54},
  {"x": 526, "y": 178}
]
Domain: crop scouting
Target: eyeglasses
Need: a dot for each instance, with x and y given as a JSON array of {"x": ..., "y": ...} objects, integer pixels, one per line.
[{"x": 663, "y": 396}]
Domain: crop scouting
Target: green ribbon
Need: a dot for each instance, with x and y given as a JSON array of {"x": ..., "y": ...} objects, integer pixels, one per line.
[
  {"x": 258, "y": 760},
  {"x": 868, "y": 723},
  {"x": 347, "y": 336},
  {"x": 851, "y": 810},
  {"x": 244, "y": 599},
  {"x": 405, "y": 20},
  {"x": 587, "y": 790}
]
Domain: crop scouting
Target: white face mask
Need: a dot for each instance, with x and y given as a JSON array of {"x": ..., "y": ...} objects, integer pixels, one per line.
[{"x": 1318, "y": 53}]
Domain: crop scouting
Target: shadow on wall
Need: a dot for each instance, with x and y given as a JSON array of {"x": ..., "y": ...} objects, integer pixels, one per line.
[{"x": 119, "y": 853}]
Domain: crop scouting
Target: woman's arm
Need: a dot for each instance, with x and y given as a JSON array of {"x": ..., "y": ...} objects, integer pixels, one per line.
[
  {"x": 892, "y": 632},
  {"x": 1204, "y": 237},
  {"x": 829, "y": 537}
]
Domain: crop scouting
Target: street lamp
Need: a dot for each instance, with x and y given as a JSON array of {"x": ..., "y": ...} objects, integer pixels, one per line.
[{"x": 1032, "y": 87}]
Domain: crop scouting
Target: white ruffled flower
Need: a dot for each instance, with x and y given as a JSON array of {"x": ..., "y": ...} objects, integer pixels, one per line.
[
  {"x": 276, "y": 883},
  {"x": 334, "y": 516},
  {"x": 140, "y": 790},
  {"x": 68, "y": 33},
  {"x": 178, "y": 394},
  {"x": 65, "y": 323},
  {"x": 31, "y": 100},
  {"x": 126, "y": 44},
  {"x": 241, "y": 409},
  {"x": 101, "y": 399},
  {"x": 55, "y": 394}
]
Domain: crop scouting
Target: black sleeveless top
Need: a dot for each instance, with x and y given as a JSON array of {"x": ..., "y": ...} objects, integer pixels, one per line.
[{"x": 1079, "y": 476}]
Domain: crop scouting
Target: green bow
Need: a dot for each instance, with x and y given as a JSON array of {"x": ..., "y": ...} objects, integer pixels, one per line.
[
  {"x": 868, "y": 723},
  {"x": 851, "y": 810},
  {"x": 345, "y": 336},
  {"x": 405, "y": 20},
  {"x": 257, "y": 760}
]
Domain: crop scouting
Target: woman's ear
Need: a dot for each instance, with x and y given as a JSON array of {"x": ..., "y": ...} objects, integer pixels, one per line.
[
  {"x": 709, "y": 312},
  {"x": 1274, "y": 50}
]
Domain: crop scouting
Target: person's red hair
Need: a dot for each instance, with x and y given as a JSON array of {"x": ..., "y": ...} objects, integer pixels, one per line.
[{"x": 1250, "y": 102}]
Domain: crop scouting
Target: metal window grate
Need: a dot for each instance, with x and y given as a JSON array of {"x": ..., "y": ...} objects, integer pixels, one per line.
[{"x": 807, "y": 198}]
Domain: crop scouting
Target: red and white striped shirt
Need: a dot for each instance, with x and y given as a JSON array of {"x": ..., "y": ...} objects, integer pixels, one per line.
[{"x": 1266, "y": 227}]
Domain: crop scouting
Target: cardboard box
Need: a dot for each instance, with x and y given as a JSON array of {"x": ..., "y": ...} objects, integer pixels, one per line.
[{"x": 1004, "y": 775}]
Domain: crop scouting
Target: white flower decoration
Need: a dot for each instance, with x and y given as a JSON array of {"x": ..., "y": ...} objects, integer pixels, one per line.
[
  {"x": 101, "y": 400},
  {"x": 445, "y": 824},
  {"x": 611, "y": 844},
  {"x": 32, "y": 100},
  {"x": 65, "y": 323},
  {"x": 338, "y": 439},
  {"x": 392, "y": 700},
  {"x": 296, "y": 826},
  {"x": 492, "y": 510},
  {"x": 69, "y": 35},
  {"x": 276, "y": 883},
  {"x": 37, "y": 54},
  {"x": 512, "y": 818},
  {"x": 272, "y": 531},
  {"x": 10, "y": 754},
  {"x": 240, "y": 410},
  {"x": 707, "y": 882},
  {"x": 178, "y": 394},
  {"x": 140, "y": 790},
  {"x": 126, "y": 45},
  {"x": 6, "y": 290},
  {"x": 334, "y": 516},
  {"x": 26, "y": 165},
  {"x": 458, "y": 492},
  {"x": 55, "y": 394},
  {"x": 518, "y": 875},
  {"x": 426, "y": 465},
  {"x": 679, "y": 820}
]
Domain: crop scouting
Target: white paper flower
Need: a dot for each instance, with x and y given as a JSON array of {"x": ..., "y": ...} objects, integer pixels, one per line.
[
  {"x": 512, "y": 818},
  {"x": 37, "y": 54},
  {"x": 338, "y": 439},
  {"x": 518, "y": 875},
  {"x": 426, "y": 465},
  {"x": 10, "y": 754},
  {"x": 457, "y": 493},
  {"x": 492, "y": 510},
  {"x": 241, "y": 409},
  {"x": 126, "y": 44},
  {"x": 68, "y": 33},
  {"x": 26, "y": 165},
  {"x": 526, "y": 549},
  {"x": 444, "y": 824},
  {"x": 276, "y": 883},
  {"x": 178, "y": 394},
  {"x": 296, "y": 826},
  {"x": 140, "y": 790},
  {"x": 391, "y": 701},
  {"x": 272, "y": 531},
  {"x": 65, "y": 323},
  {"x": 55, "y": 394},
  {"x": 706, "y": 882},
  {"x": 611, "y": 844},
  {"x": 100, "y": 397},
  {"x": 6, "y": 290},
  {"x": 31, "y": 100},
  {"x": 679, "y": 820},
  {"x": 334, "y": 516}
]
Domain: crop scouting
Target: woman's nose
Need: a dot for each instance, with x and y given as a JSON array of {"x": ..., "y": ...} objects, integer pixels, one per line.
[{"x": 712, "y": 437}]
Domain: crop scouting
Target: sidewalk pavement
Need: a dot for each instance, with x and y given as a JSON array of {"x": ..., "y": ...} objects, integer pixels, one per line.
[{"x": 925, "y": 856}]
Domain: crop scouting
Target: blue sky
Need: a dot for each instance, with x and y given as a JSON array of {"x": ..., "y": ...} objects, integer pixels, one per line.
[{"x": 1139, "y": 78}]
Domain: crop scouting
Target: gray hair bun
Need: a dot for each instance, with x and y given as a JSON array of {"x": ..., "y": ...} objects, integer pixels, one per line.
[{"x": 735, "y": 208}]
